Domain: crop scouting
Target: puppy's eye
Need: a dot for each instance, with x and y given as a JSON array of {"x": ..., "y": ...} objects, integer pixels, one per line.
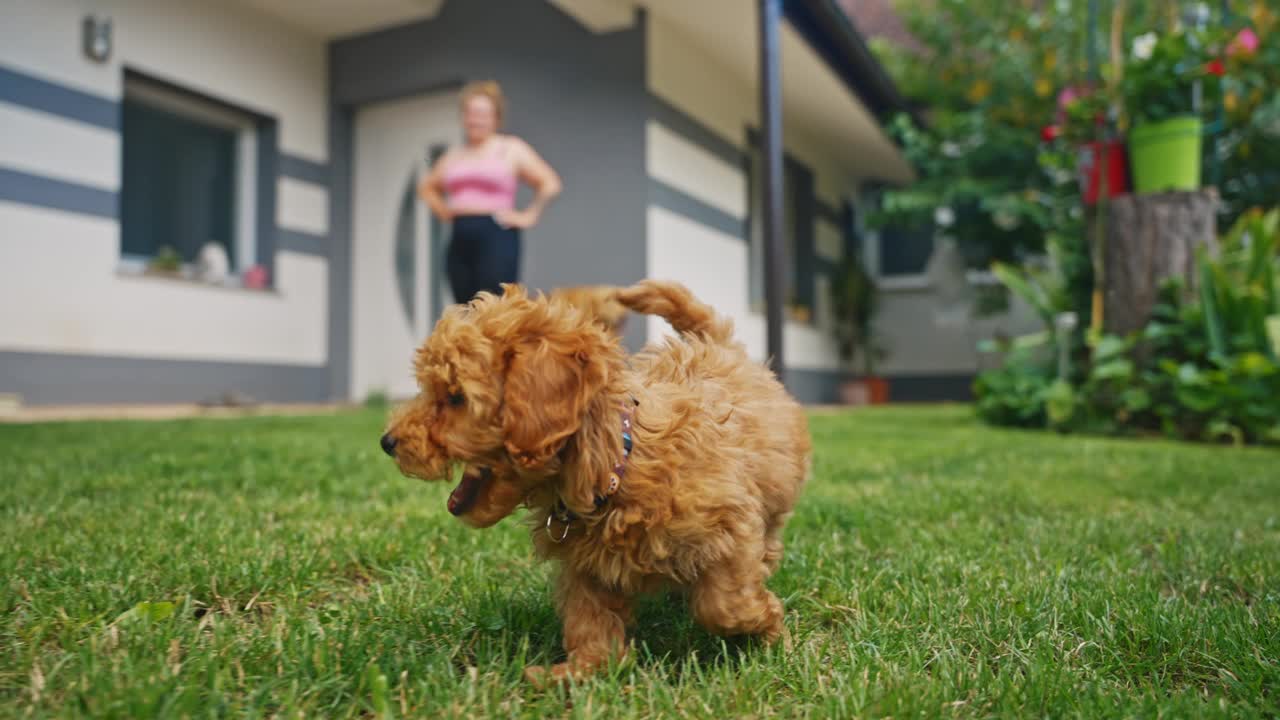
[{"x": 456, "y": 399}]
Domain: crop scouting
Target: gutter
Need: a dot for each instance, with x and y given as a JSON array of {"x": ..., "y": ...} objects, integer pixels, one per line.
[{"x": 832, "y": 34}]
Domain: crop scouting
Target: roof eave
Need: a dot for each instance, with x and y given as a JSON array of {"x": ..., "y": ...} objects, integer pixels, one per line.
[{"x": 833, "y": 36}]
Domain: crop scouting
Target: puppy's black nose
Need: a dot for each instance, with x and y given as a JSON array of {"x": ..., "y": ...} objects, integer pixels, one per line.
[{"x": 388, "y": 444}]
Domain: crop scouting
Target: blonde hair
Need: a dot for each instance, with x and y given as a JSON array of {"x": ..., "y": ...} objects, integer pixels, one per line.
[{"x": 489, "y": 89}]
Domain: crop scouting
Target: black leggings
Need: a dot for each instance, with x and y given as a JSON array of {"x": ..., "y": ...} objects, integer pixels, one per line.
[{"x": 482, "y": 255}]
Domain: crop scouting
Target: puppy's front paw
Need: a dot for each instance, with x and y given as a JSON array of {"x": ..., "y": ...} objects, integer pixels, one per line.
[
  {"x": 537, "y": 676},
  {"x": 542, "y": 677}
]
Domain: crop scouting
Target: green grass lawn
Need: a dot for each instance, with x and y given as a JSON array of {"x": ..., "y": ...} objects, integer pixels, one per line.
[{"x": 934, "y": 567}]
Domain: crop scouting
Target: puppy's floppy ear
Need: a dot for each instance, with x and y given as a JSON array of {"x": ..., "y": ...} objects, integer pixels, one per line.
[{"x": 550, "y": 382}]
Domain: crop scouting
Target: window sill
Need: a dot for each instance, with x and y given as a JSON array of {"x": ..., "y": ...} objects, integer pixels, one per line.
[
  {"x": 188, "y": 278},
  {"x": 903, "y": 283},
  {"x": 797, "y": 315},
  {"x": 982, "y": 277},
  {"x": 922, "y": 283}
]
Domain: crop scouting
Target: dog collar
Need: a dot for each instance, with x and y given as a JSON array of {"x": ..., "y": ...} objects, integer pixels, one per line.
[{"x": 561, "y": 512}]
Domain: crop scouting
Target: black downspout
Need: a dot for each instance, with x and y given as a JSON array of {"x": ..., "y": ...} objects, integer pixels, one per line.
[{"x": 771, "y": 149}]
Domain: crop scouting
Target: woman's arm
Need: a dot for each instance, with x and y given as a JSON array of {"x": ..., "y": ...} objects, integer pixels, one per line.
[
  {"x": 537, "y": 174},
  {"x": 431, "y": 190}
]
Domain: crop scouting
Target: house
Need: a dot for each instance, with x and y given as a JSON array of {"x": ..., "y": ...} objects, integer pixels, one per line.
[{"x": 289, "y": 136}]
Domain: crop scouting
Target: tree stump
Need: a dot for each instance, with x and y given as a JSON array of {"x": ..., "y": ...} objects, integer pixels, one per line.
[{"x": 1151, "y": 239}]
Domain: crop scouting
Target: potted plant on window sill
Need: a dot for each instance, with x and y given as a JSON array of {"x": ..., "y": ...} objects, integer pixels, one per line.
[
  {"x": 854, "y": 304},
  {"x": 166, "y": 263},
  {"x": 798, "y": 313}
]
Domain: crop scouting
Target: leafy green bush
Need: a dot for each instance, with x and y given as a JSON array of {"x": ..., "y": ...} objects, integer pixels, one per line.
[
  {"x": 1240, "y": 289},
  {"x": 1162, "y": 380},
  {"x": 1163, "y": 69},
  {"x": 1235, "y": 399},
  {"x": 1013, "y": 394},
  {"x": 1205, "y": 367}
]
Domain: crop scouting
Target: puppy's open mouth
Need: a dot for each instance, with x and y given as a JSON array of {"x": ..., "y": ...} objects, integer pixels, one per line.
[{"x": 468, "y": 490}]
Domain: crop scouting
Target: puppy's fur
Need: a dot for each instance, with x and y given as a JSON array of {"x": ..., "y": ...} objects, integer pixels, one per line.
[
  {"x": 527, "y": 393},
  {"x": 599, "y": 302}
]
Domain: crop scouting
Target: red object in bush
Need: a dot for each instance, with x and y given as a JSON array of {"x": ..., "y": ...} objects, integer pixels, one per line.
[
  {"x": 1049, "y": 133},
  {"x": 1115, "y": 159},
  {"x": 1215, "y": 67}
]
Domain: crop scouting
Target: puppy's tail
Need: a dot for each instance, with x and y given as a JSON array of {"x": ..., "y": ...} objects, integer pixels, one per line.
[
  {"x": 674, "y": 303},
  {"x": 600, "y": 302}
]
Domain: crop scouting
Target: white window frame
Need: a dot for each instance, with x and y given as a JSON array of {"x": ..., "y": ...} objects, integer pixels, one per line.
[
  {"x": 871, "y": 255},
  {"x": 903, "y": 283}
]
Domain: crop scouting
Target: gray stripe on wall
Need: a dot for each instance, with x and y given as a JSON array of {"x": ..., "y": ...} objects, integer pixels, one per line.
[
  {"x": 27, "y": 189},
  {"x": 32, "y": 92},
  {"x": 805, "y": 225},
  {"x": 300, "y": 168},
  {"x": 56, "y": 379},
  {"x": 695, "y": 132},
  {"x": 302, "y": 242},
  {"x": 681, "y": 203},
  {"x": 268, "y": 167},
  {"x": 947, "y": 387},
  {"x": 822, "y": 387},
  {"x": 815, "y": 387},
  {"x": 341, "y": 154}
]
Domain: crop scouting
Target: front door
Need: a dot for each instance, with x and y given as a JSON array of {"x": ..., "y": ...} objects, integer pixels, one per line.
[{"x": 395, "y": 245}]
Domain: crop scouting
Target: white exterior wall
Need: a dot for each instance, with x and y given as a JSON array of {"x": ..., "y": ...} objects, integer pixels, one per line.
[
  {"x": 59, "y": 148},
  {"x": 925, "y": 335},
  {"x": 215, "y": 47},
  {"x": 68, "y": 298},
  {"x": 710, "y": 262},
  {"x": 924, "y": 340},
  {"x": 63, "y": 268}
]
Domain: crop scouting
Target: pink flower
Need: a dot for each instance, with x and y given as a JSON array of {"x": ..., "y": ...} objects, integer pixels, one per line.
[
  {"x": 1070, "y": 94},
  {"x": 1245, "y": 43}
]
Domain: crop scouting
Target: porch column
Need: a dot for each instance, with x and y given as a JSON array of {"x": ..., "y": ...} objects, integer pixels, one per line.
[{"x": 771, "y": 150}]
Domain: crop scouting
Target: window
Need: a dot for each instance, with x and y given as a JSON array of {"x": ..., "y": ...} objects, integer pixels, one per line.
[
  {"x": 797, "y": 232},
  {"x": 905, "y": 250},
  {"x": 851, "y": 230},
  {"x": 898, "y": 251},
  {"x": 190, "y": 175}
]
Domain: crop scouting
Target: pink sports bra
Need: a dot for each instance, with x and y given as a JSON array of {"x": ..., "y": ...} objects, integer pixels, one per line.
[{"x": 485, "y": 183}]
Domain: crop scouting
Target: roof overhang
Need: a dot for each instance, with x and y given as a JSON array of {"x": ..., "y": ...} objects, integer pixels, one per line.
[
  {"x": 329, "y": 19},
  {"x": 834, "y": 92},
  {"x": 826, "y": 27}
]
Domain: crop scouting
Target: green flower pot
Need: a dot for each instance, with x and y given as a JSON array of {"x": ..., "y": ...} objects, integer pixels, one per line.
[{"x": 1166, "y": 155}]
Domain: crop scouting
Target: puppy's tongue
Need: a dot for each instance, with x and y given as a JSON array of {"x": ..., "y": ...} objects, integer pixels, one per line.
[{"x": 464, "y": 496}]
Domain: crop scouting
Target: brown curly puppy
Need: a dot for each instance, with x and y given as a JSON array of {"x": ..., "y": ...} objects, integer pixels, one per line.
[{"x": 677, "y": 469}]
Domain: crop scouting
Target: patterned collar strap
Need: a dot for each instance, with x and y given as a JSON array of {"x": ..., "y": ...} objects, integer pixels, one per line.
[{"x": 563, "y": 514}]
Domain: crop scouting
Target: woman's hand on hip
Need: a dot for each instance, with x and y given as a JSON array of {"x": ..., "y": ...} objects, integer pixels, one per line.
[{"x": 516, "y": 219}]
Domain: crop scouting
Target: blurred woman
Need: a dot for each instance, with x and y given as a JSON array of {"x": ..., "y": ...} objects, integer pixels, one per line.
[{"x": 473, "y": 188}]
